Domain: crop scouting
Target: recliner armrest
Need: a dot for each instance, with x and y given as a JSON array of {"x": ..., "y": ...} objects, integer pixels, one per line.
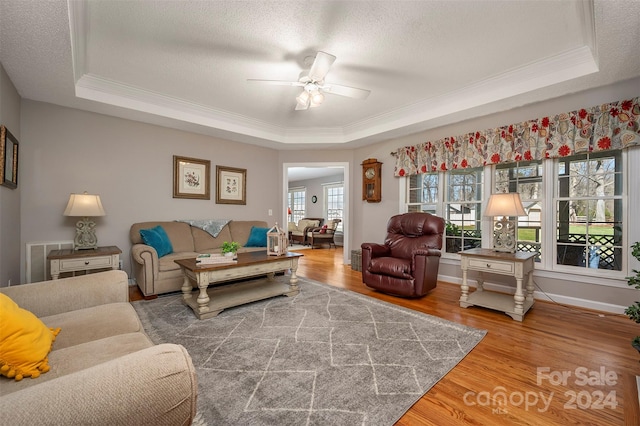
[
  {"x": 427, "y": 252},
  {"x": 376, "y": 250}
]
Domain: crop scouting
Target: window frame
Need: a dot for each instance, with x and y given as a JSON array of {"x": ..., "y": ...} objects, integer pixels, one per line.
[
  {"x": 297, "y": 214},
  {"x": 548, "y": 221},
  {"x": 623, "y": 197},
  {"x": 326, "y": 187}
]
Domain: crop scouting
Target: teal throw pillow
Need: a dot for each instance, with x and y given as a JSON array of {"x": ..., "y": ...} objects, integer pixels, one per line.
[
  {"x": 158, "y": 239},
  {"x": 258, "y": 237}
]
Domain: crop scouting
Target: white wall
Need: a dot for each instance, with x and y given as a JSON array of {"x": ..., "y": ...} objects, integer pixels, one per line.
[
  {"x": 130, "y": 165},
  {"x": 315, "y": 187},
  {"x": 10, "y": 198}
]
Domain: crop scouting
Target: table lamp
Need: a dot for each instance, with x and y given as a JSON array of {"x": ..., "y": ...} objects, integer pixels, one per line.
[
  {"x": 505, "y": 230},
  {"x": 84, "y": 206}
]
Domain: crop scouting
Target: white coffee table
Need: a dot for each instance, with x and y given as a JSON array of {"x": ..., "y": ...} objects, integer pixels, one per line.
[{"x": 211, "y": 299}]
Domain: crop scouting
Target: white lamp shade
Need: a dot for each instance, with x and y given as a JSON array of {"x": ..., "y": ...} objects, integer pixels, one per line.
[
  {"x": 508, "y": 204},
  {"x": 84, "y": 205}
]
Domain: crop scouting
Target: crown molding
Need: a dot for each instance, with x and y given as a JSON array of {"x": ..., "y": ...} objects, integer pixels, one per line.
[{"x": 420, "y": 116}]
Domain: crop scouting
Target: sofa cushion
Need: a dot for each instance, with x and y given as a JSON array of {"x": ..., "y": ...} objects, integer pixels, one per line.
[
  {"x": 85, "y": 325},
  {"x": 157, "y": 238},
  {"x": 168, "y": 263},
  {"x": 257, "y": 237},
  {"x": 179, "y": 233},
  {"x": 306, "y": 223},
  {"x": 80, "y": 357},
  {"x": 241, "y": 229},
  {"x": 25, "y": 341},
  {"x": 203, "y": 241}
]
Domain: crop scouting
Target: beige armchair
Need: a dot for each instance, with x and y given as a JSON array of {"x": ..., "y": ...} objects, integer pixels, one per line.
[
  {"x": 298, "y": 232},
  {"x": 323, "y": 234}
]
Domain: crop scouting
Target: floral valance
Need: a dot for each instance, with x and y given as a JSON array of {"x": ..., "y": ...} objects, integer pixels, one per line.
[{"x": 614, "y": 125}]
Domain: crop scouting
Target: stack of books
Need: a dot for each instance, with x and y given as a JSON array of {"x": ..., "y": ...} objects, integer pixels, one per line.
[{"x": 213, "y": 259}]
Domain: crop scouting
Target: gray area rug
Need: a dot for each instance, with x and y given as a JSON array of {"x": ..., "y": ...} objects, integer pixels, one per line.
[{"x": 325, "y": 357}]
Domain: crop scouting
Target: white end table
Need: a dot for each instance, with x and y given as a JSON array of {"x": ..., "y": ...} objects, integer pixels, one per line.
[
  {"x": 518, "y": 265},
  {"x": 70, "y": 260}
]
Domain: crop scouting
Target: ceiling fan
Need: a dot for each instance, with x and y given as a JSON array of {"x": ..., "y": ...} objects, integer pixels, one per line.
[{"x": 314, "y": 86}]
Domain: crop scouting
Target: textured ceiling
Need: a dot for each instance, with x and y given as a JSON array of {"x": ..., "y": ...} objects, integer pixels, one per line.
[{"x": 427, "y": 63}]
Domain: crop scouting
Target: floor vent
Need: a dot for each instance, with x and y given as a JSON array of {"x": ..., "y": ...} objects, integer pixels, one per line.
[{"x": 37, "y": 265}]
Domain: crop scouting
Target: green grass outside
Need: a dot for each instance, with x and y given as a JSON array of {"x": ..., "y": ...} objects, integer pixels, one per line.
[{"x": 530, "y": 234}]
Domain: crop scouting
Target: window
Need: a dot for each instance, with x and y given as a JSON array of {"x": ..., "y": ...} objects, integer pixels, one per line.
[
  {"x": 297, "y": 203},
  {"x": 463, "y": 209},
  {"x": 334, "y": 202},
  {"x": 524, "y": 178},
  {"x": 575, "y": 208},
  {"x": 422, "y": 193},
  {"x": 588, "y": 211},
  {"x": 462, "y": 204}
]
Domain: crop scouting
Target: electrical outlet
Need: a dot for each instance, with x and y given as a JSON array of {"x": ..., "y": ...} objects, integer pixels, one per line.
[
  {"x": 9, "y": 283},
  {"x": 270, "y": 212}
]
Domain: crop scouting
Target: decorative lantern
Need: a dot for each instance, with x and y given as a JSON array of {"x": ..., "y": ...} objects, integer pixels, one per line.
[{"x": 276, "y": 241}]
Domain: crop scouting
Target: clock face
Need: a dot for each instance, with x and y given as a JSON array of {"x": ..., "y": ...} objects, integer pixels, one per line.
[{"x": 369, "y": 173}]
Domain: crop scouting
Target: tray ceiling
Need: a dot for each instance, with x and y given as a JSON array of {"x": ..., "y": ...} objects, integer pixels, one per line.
[{"x": 429, "y": 63}]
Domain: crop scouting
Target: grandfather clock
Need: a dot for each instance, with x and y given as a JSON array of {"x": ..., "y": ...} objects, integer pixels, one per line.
[{"x": 372, "y": 180}]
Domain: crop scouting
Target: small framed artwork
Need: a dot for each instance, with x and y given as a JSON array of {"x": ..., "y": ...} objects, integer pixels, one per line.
[
  {"x": 231, "y": 185},
  {"x": 191, "y": 178},
  {"x": 8, "y": 159}
]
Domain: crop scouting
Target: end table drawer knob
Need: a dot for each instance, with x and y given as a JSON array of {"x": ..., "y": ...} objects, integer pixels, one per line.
[
  {"x": 488, "y": 265},
  {"x": 86, "y": 262}
]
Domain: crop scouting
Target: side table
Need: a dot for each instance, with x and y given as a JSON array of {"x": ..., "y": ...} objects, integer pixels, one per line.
[
  {"x": 518, "y": 265},
  {"x": 70, "y": 260}
]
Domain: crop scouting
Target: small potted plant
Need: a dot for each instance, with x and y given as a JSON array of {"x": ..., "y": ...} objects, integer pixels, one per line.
[
  {"x": 230, "y": 248},
  {"x": 633, "y": 311}
]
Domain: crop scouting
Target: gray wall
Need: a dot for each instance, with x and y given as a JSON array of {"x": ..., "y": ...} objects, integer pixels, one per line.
[
  {"x": 130, "y": 165},
  {"x": 10, "y": 198}
]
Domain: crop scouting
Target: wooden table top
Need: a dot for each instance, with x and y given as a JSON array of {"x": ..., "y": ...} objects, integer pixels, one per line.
[
  {"x": 519, "y": 256},
  {"x": 100, "y": 251},
  {"x": 244, "y": 259}
]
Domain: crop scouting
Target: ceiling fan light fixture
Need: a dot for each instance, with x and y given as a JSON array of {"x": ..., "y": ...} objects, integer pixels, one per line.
[
  {"x": 303, "y": 98},
  {"x": 317, "y": 98}
]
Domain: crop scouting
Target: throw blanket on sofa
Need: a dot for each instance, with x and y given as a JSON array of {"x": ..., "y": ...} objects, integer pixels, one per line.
[{"x": 212, "y": 226}]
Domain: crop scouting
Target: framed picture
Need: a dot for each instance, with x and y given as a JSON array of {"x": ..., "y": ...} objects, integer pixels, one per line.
[
  {"x": 191, "y": 178},
  {"x": 8, "y": 159},
  {"x": 231, "y": 185}
]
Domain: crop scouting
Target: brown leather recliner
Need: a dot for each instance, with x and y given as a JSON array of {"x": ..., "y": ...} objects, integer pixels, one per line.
[{"x": 407, "y": 263}]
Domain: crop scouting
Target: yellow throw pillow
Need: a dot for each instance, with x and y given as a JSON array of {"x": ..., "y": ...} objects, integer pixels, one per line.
[{"x": 25, "y": 342}]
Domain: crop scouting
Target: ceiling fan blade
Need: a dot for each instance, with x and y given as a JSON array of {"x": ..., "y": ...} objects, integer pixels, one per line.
[
  {"x": 350, "y": 92},
  {"x": 276, "y": 82},
  {"x": 321, "y": 66}
]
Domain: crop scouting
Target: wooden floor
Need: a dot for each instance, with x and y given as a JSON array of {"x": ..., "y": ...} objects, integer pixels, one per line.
[{"x": 587, "y": 365}]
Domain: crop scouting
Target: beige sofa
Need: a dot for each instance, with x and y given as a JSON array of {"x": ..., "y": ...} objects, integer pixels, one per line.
[
  {"x": 162, "y": 275},
  {"x": 104, "y": 368}
]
